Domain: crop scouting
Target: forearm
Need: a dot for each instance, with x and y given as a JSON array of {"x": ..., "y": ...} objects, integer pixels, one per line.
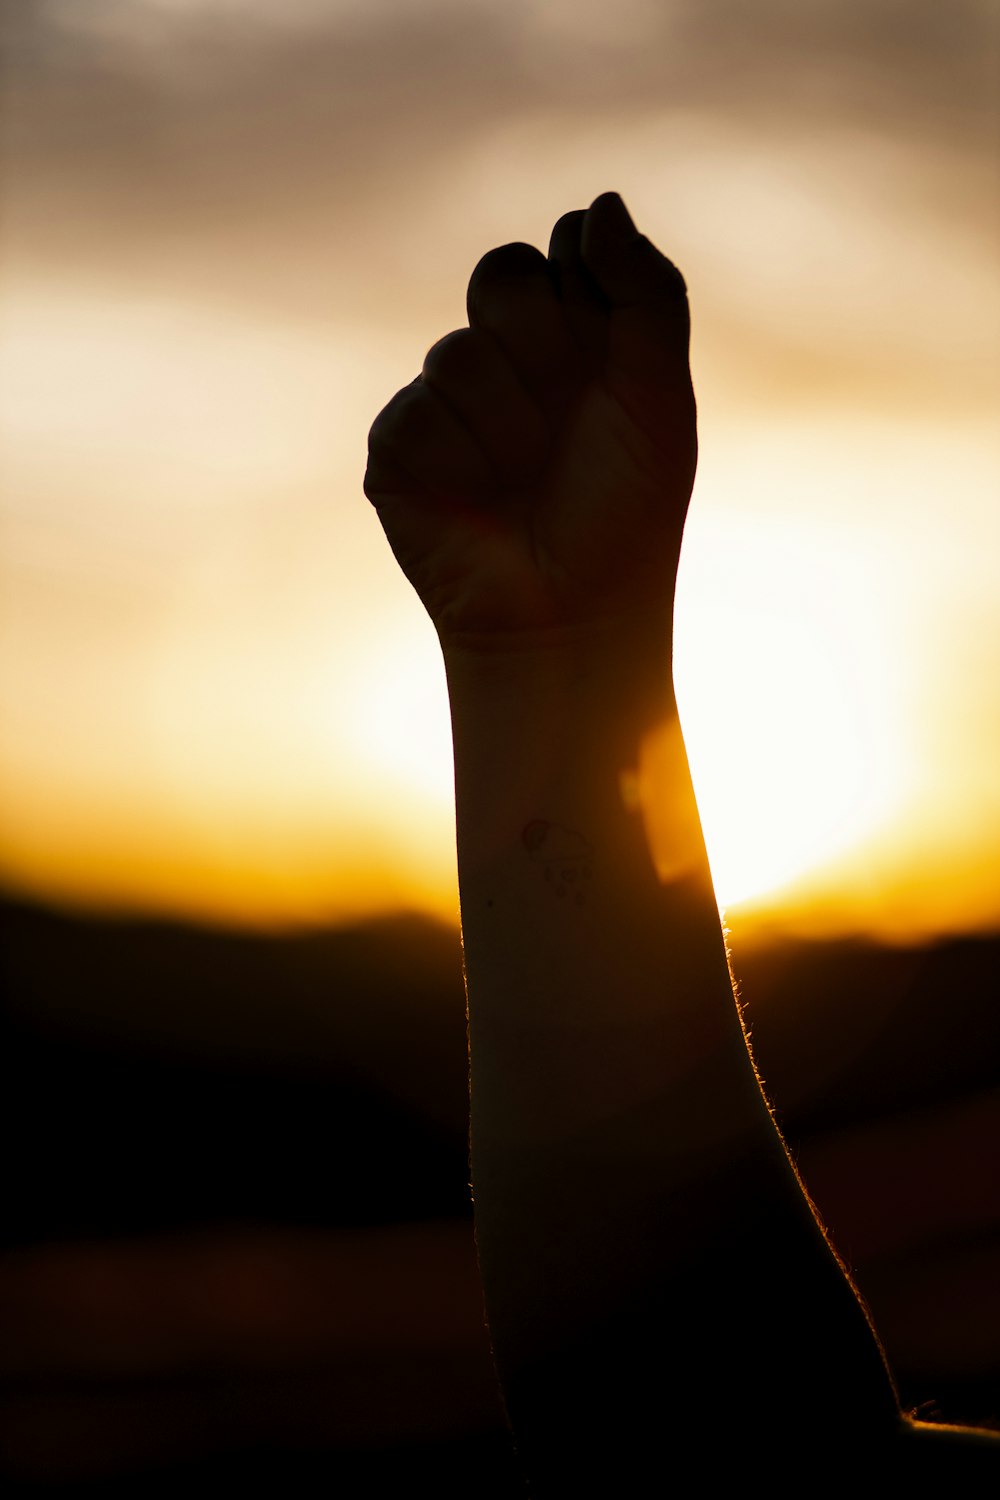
[
  {"x": 636, "y": 1209},
  {"x": 593, "y": 985},
  {"x": 655, "y": 1277}
]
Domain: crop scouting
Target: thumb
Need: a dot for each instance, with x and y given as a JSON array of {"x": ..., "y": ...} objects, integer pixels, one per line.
[
  {"x": 649, "y": 324},
  {"x": 627, "y": 267}
]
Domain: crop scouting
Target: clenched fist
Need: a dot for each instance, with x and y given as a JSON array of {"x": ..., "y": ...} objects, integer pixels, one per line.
[{"x": 535, "y": 476}]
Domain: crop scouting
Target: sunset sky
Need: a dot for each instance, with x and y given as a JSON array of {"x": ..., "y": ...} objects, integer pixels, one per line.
[{"x": 232, "y": 228}]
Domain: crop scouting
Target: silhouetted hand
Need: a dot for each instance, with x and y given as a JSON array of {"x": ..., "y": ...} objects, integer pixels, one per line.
[{"x": 535, "y": 476}]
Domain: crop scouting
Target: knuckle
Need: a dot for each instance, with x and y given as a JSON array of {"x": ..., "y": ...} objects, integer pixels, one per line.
[
  {"x": 514, "y": 262},
  {"x": 515, "y": 259},
  {"x": 452, "y": 358},
  {"x": 396, "y": 420},
  {"x": 567, "y": 229}
]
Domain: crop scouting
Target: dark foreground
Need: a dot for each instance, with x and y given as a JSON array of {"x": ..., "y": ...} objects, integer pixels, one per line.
[{"x": 237, "y": 1244}]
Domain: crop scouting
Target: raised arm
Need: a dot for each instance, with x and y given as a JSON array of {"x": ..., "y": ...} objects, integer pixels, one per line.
[{"x": 656, "y": 1280}]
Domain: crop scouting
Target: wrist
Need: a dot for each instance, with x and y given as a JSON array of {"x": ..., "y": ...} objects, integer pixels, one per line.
[
  {"x": 617, "y": 671},
  {"x": 555, "y": 730}
]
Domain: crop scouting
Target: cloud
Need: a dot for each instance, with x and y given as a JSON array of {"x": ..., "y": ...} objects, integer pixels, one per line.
[
  {"x": 224, "y": 221},
  {"x": 138, "y": 118},
  {"x": 346, "y": 161}
]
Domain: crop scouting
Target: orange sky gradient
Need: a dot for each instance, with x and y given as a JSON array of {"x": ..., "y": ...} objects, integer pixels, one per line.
[{"x": 230, "y": 233}]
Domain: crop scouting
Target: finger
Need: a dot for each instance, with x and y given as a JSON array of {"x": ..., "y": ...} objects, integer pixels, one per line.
[
  {"x": 649, "y": 323},
  {"x": 584, "y": 304},
  {"x": 512, "y": 295},
  {"x": 574, "y": 282},
  {"x": 470, "y": 372},
  {"x": 627, "y": 267},
  {"x": 418, "y": 442}
]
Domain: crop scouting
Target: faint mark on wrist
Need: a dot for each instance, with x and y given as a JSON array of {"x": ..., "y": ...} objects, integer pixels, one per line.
[{"x": 564, "y": 857}]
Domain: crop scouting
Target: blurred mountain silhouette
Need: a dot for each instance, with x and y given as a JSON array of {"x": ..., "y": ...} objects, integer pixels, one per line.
[{"x": 246, "y": 1090}]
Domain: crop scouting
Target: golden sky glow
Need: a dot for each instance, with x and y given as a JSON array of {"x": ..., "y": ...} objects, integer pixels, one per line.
[{"x": 230, "y": 237}]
